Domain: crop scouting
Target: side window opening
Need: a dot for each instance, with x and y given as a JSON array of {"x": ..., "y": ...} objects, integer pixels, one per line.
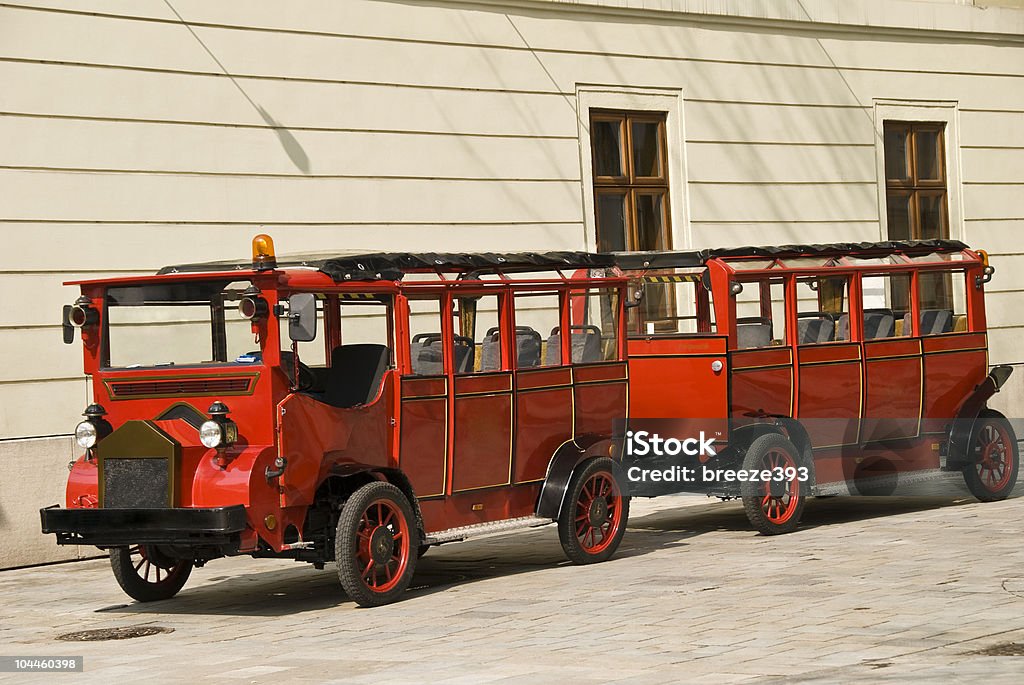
[
  {"x": 537, "y": 324},
  {"x": 595, "y": 325},
  {"x": 942, "y": 305},
  {"x": 761, "y": 314},
  {"x": 673, "y": 304},
  {"x": 425, "y": 347},
  {"x": 885, "y": 299},
  {"x": 478, "y": 337},
  {"x": 823, "y": 314},
  {"x": 358, "y": 364}
]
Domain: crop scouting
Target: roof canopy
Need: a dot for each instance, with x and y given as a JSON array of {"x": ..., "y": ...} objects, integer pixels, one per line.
[
  {"x": 391, "y": 266},
  {"x": 630, "y": 261}
]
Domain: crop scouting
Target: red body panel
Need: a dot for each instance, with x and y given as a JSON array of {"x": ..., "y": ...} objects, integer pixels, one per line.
[
  {"x": 482, "y": 441},
  {"x": 544, "y": 419}
]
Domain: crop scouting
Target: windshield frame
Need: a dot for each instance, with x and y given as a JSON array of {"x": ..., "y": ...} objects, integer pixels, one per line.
[{"x": 218, "y": 313}]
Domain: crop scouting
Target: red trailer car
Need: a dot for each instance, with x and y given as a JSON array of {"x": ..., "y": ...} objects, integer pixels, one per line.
[
  {"x": 421, "y": 399},
  {"x": 850, "y": 365}
]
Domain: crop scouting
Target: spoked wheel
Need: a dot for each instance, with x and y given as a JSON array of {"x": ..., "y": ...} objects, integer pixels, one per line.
[
  {"x": 147, "y": 574},
  {"x": 594, "y": 517},
  {"x": 774, "y": 507},
  {"x": 376, "y": 544},
  {"x": 992, "y": 471}
]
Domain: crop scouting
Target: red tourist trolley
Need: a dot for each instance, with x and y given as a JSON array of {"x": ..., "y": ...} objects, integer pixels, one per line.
[
  {"x": 851, "y": 365},
  {"x": 359, "y": 409},
  {"x": 421, "y": 399}
]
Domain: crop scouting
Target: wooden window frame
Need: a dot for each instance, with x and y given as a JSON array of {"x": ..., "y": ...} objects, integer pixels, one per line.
[
  {"x": 912, "y": 186},
  {"x": 629, "y": 185}
]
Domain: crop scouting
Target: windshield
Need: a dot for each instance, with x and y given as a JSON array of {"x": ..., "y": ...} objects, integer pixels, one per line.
[{"x": 167, "y": 324}]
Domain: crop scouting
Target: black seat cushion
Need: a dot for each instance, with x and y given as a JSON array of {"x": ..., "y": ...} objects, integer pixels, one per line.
[{"x": 355, "y": 374}]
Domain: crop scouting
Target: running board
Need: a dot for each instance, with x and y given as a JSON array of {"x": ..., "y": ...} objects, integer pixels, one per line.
[
  {"x": 481, "y": 529},
  {"x": 900, "y": 480}
]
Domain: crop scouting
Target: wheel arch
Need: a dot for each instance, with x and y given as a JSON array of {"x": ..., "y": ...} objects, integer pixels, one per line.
[
  {"x": 569, "y": 457},
  {"x": 743, "y": 437},
  {"x": 962, "y": 427},
  {"x": 341, "y": 481}
]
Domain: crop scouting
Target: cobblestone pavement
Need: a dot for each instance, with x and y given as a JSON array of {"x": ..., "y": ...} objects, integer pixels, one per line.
[{"x": 868, "y": 590}]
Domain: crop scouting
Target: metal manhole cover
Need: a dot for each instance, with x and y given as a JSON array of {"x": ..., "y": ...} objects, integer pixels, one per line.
[
  {"x": 1005, "y": 649},
  {"x": 125, "y": 633}
]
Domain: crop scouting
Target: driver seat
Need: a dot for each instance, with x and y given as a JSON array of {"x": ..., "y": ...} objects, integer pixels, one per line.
[{"x": 356, "y": 373}]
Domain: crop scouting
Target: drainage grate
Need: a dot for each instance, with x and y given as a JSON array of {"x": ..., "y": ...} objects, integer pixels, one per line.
[
  {"x": 1005, "y": 649},
  {"x": 125, "y": 633}
]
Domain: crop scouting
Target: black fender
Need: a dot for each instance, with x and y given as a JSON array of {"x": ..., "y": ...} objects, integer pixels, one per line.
[
  {"x": 962, "y": 427},
  {"x": 361, "y": 474},
  {"x": 743, "y": 437},
  {"x": 564, "y": 462}
]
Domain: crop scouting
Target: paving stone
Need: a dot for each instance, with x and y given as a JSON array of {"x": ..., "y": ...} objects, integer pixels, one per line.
[{"x": 868, "y": 591}]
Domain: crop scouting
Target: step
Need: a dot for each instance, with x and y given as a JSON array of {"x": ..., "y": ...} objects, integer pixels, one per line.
[{"x": 490, "y": 528}]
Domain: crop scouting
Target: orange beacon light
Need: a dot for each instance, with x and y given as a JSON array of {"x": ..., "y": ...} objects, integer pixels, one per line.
[{"x": 263, "y": 257}]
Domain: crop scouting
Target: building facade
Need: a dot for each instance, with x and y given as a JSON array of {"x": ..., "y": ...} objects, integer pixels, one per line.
[{"x": 136, "y": 134}]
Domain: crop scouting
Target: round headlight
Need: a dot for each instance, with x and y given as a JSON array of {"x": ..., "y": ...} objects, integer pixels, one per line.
[
  {"x": 85, "y": 434},
  {"x": 210, "y": 434}
]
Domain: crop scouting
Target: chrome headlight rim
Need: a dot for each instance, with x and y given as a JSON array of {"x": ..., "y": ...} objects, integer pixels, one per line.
[
  {"x": 86, "y": 434},
  {"x": 211, "y": 434}
]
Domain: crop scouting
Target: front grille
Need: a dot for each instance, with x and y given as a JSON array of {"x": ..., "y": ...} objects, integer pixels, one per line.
[
  {"x": 135, "y": 483},
  {"x": 181, "y": 386}
]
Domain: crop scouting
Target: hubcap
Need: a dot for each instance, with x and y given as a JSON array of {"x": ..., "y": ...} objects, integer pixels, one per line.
[
  {"x": 598, "y": 512},
  {"x": 382, "y": 544}
]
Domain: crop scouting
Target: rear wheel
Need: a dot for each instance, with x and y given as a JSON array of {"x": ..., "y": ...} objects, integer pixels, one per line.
[
  {"x": 774, "y": 507},
  {"x": 594, "y": 517},
  {"x": 148, "y": 575},
  {"x": 992, "y": 469},
  {"x": 376, "y": 544}
]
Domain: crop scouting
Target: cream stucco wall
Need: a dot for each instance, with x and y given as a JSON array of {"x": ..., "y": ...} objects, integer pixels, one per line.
[{"x": 136, "y": 134}]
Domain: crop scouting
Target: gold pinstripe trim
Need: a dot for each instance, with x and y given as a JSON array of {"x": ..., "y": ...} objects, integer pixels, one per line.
[{"x": 737, "y": 369}]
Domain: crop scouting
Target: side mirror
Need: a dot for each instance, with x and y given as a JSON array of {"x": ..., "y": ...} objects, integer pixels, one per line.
[{"x": 302, "y": 317}]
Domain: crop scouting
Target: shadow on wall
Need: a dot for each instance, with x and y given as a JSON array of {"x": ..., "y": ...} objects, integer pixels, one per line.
[{"x": 291, "y": 146}]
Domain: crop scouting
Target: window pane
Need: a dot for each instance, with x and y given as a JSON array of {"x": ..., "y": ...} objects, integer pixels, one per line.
[
  {"x": 478, "y": 335},
  {"x": 943, "y": 303},
  {"x": 886, "y": 301},
  {"x": 896, "y": 153},
  {"x": 822, "y": 312},
  {"x": 932, "y": 210},
  {"x": 607, "y": 141},
  {"x": 425, "y": 347},
  {"x": 760, "y": 315},
  {"x": 537, "y": 319},
  {"x": 646, "y": 149},
  {"x": 595, "y": 330},
  {"x": 900, "y": 220},
  {"x": 611, "y": 222},
  {"x": 650, "y": 222},
  {"x": 929, "y": 155}
]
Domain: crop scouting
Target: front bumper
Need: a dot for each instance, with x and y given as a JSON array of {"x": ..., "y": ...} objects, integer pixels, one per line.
[{"x": 220, "y": 526}]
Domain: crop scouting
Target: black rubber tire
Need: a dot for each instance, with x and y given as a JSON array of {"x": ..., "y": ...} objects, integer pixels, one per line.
[
  {"x": 347, "y": 549},
  {"x": 174, "y": 573},
  {"x": 990, "y": 420},
  {"x": 567, "y": 524},
  {"x": 423, "y": 549},
  {"x": 753, "y": 492}
]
